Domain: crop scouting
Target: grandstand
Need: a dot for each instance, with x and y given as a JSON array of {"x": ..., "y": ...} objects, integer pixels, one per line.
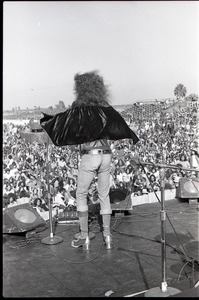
[{"x": 143, "y": 109}]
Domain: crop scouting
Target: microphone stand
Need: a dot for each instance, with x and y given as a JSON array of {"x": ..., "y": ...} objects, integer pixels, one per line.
[
  {"x": 52, "y": 239},
  {"x": 163, "y": 290}
]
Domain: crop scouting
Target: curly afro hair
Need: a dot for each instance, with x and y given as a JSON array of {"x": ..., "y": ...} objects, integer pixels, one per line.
[{"x": 90, "y": 89}]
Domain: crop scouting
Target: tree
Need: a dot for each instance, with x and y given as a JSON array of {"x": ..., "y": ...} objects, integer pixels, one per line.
[
  {"x": 61, "y": 105},
  {"x": 50, "y": 108},
  {"x": 192, "y": 97},
  {"x": 180, "y": 91}
]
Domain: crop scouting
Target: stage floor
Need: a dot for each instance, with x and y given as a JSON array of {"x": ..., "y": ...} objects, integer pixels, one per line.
[{"x": 34, "y": 269}]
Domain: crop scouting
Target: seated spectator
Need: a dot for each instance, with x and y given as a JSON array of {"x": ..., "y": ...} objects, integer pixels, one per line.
[
  {"x": 75, "y": 171},
  {"x": 190, "y": 174},
  {"x": 12, "y": 200},
  {"x": 23, "y": 194},
  {"x": 154, "y": 170},
  {"x": 39, "y": 205},
  {"x": 13, "y": 169},
  {"x": 130, "y": 169},
  {"x": 5, "y": 201},
  {"x": 34, "y": 192},
  {"x": 59, "y": 199},
  {"x": 120, "y": 185},
  {"x": 71, "y": 198},
  {"x": 71, "y": 185},
  {"x": 154, "y": 184},
  {"x": 175, "y": 177},
  {"x": 61, "y": 162},
  {"x": 93, "y": 193},
  {"x": 140, "y": 183},
  {"x": 138, "y": 192},
  {"x": 7, "y": 174},
  {"x": 55, "y": 184},
  {"x": 9, "y": 188},
  {"x": 11, "y": 180},
  {"x": 119, "y": 175},
  {"x": 22, "y": 190},
  {"x": 194, "y": 160},
  {"x": 126, "y": 176},
  {"x": 183, "y": 161},
  {"x": 121, "y": 164}
]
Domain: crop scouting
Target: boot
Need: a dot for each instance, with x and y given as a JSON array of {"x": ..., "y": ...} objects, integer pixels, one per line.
[
  {"x": 83, "y": 240},
  {"x": 108, "y": 240}
]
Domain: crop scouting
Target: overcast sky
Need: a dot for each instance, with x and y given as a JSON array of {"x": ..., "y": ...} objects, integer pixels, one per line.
[{"x": 142, "y": 49}]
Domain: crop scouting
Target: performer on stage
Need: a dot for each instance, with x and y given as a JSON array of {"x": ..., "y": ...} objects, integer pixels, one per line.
[
  {"x": 95, "y": 160},
  {"x": 91, "y": 122}
]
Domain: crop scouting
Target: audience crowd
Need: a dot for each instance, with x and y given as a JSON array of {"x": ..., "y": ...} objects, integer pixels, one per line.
[{"x": 33, "y": 171}]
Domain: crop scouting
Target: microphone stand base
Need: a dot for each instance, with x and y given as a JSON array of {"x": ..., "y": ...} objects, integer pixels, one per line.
[
  {"x": 157, "y": 292},
  {"x": 52, "y": 240}
]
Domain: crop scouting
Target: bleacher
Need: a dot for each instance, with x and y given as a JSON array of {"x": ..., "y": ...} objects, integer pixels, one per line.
[{"x": 143, "y": 111}]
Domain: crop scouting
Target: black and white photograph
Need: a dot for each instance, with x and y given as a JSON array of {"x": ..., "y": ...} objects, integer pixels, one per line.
[{"x": 100, "y": 149}]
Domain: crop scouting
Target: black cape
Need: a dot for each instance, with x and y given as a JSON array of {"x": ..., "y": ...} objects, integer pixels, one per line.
[{"x": 82, "y": 124}]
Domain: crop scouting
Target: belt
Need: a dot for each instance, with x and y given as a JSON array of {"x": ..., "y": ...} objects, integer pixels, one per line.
[{"x": 96, "y": 151}]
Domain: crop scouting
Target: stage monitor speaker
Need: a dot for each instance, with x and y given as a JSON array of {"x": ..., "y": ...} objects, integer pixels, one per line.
[
  {"x": 21, "y": 218},
  {"x": 120, "y": 199},
  {"x": 188, "y": 188}
]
